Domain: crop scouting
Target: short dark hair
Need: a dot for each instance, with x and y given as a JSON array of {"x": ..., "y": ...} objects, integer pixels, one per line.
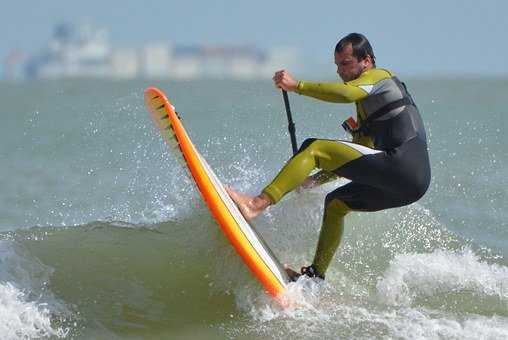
[{"x": 359, "y": 43}]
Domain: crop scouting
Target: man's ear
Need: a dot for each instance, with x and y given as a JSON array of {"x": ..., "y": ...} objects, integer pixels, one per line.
[{"x": 367, "y": 61}]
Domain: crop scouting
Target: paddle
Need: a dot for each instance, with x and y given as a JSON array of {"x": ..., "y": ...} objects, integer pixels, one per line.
[{"x": 291, "y": 124}]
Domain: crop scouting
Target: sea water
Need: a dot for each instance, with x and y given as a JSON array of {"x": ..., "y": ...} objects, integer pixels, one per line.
[{"x": 103, "y": 235}]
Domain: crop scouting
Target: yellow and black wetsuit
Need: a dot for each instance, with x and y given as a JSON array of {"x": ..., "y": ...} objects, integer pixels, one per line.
[{"x": 387, "y": 162}]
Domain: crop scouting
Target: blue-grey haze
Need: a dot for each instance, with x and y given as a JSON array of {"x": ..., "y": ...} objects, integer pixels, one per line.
[{"x": 413, "y": 37}]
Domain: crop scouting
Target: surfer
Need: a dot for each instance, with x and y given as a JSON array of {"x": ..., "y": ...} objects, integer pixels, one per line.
[{"x": 387, "y": 160}]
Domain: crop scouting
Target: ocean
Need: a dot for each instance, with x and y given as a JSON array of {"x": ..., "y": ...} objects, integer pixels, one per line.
[{"x": 104, "y": 236}]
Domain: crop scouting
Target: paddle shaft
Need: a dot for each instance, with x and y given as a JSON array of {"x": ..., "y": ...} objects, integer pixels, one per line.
[{"x": 291, "y": 124}]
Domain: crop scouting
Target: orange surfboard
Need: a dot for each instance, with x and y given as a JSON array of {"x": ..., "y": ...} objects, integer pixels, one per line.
[{"x": 248, "y": 243}]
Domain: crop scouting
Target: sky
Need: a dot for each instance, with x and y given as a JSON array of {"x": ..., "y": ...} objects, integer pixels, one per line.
[{"x": 410, "y": 37}]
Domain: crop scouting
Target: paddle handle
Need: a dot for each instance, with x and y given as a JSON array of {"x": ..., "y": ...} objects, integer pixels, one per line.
[{"x": 291, "y": 124}]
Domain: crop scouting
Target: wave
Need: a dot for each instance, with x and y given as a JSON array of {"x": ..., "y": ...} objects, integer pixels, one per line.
[
  {"x": 26, "y": 306},
  {"x": 428, "y": 277},
  {"x": 24, "y": 319},
  {"x": 117, "y": 278}
]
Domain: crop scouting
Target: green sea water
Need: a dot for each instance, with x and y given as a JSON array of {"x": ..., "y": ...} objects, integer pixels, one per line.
[{"x": 104, "y": 236}]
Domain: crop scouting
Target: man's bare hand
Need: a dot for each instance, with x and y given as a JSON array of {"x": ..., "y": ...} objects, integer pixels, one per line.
[
  {"x": 309, "y": 183},
  {"x": 284, "y": 80}
]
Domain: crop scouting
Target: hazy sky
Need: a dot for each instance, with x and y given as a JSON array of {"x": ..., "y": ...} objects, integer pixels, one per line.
[{"x": 410, "y": 37}]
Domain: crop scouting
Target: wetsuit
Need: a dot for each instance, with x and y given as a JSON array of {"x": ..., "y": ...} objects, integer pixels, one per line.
[{"x": 387, "y": 162}]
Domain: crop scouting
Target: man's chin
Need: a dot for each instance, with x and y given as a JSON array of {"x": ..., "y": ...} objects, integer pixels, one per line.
[{"x": 350, "y": 78}]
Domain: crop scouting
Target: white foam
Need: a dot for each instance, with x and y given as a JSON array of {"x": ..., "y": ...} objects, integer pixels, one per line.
[
  {"x": 25, "y": 303},
  {"x": 331, "y": 309},
  {"x": 302, "y": 295},
  {"x": 325, "y": 314},
  {"x": 21, "y": 319},
  {"x": 300, "y": 317},
  {"x": 442, "y": 271},
  {"x": 407, "y": 323}
]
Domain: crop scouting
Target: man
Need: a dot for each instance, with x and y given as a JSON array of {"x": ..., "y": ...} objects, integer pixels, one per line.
[{"x": 387, "y": 162}]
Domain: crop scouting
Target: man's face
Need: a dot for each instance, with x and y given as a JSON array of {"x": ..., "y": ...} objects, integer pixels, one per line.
[{"x": 348, "y": 66}]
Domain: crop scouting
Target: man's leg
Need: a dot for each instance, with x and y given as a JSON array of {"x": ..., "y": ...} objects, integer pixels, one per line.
[
  {"x": 314, "y": 153},
  {"x": 350, "y": 197},
  {"x": 330, "y": 234}
]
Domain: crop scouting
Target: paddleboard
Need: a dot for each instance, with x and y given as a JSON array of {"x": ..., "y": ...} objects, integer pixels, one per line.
[{"x": 249, "y": 245}]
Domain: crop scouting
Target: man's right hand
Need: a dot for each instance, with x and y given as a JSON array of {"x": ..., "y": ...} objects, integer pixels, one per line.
[
  {"x": 309, "y": 183},
  {"x": 284, "y": 80}
]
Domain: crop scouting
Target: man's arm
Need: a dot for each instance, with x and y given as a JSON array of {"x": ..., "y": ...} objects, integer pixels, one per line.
[{"x": 331, "y": 92}]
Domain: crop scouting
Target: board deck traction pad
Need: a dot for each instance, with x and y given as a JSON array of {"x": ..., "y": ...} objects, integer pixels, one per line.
[{"x": 251, "y": 247}]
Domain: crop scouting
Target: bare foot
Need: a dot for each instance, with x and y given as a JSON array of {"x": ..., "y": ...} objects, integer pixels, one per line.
[{"x": 249, "y": 206}]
